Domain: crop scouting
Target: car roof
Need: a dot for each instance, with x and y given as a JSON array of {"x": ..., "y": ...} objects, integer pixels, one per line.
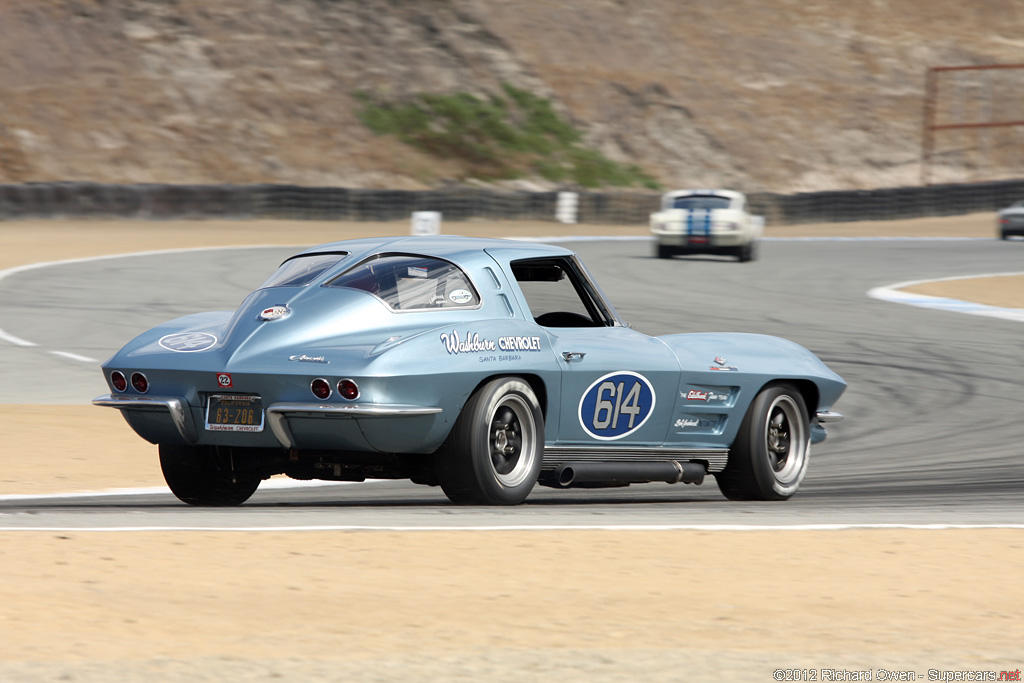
[
  {"x": 450, "y": 247},
  {"x": 730, "y": 194}
]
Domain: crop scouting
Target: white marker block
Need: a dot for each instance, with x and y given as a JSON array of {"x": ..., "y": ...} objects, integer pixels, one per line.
[{"x": 426, "y": 222}]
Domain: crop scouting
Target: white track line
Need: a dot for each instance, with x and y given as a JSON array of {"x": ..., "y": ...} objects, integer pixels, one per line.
[
  {"x": 160, "y": 490},
  {"x": 893, "y": 293},
  {"x": 523, "y": 527},
  {"x": 17, "y": 341}
]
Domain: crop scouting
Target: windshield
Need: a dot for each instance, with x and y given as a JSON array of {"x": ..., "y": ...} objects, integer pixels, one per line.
[
  {"x": 299, "y": 271},
  {"x": 700, "y": 202}
]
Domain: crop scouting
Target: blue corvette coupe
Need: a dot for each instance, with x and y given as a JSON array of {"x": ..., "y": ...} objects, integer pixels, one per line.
[{"x": 483, "y": 366}]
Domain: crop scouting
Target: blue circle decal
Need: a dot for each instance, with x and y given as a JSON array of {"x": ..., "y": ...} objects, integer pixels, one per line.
[{"x": 616, "y": 405}]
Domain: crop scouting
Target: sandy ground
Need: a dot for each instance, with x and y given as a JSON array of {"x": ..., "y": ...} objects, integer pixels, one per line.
[{"x": 506, "y": 606}]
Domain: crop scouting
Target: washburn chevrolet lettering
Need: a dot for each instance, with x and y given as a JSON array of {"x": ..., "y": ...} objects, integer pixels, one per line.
[{"x": 542, "y": 383}]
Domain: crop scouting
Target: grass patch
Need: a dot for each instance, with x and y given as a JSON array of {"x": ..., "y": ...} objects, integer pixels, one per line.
[{"x": 499, "y": 137}]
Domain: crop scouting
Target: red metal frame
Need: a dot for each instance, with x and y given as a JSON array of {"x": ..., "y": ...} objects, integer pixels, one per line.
[{"x": 929, "y": 126}]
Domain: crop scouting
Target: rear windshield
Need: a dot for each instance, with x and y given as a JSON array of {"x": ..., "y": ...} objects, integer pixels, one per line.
[
  {"x": 406, "y": 283},
  {"x": 299, "y": 271},
  {"x": 700, "y": 202}
]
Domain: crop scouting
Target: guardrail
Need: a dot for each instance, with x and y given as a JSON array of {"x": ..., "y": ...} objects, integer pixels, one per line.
[{"x": 85, "y": 200}]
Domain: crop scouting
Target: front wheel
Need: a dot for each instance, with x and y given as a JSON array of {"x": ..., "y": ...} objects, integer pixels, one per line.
[
  {"x": 197, "y": 476},
  {"x": 662, "y": 251},
  {"x": 769, "y": 458},
  {"x": 747, "y": 252},
  {"x": 494, "y": 453}
]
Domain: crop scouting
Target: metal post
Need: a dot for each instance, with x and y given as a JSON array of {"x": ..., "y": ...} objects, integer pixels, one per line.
[{"x": 928, "y": 135}]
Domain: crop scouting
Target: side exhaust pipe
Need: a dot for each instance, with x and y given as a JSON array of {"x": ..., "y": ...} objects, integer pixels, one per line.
[{"x": 620, "y": 473}]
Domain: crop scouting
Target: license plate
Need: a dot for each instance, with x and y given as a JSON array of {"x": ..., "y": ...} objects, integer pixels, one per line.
[{"x": 233, "y": 413}]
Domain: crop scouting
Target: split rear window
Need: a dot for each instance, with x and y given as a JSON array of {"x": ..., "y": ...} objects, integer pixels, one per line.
[
  {"x": 409, "y": 283},
  {"x": 299, "y": 271}
]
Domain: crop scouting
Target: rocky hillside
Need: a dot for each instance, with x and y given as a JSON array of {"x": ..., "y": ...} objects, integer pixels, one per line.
[{"x": 777, "y": 95}]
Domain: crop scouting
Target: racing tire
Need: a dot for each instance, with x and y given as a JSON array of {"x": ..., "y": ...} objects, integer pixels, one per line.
[
  {"x": 769, "y": 457},
  {"x": 746, "y": 253},
  {"x": 193, "y": 474},
  {"x": 495, "y": 450},
  {"x": 662, "y": 251}
]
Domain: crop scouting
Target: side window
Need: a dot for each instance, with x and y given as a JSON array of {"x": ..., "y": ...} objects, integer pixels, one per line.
[
  {"x": 411, "y": 283},
  {"x": 556, "y": 294}
]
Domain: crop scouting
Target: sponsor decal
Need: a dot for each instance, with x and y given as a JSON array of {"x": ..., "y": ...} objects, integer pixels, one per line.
[
  {"x": 616, "y": 405},
  {"x": 224, "y": 380},
  {"x": 699, "y": 423},
  {"x": 706, "y": 396},
  {"x": 474, "y": 343},
  {"x": 274, "y": 313},
  {"x": 460, "y": 296},
  {"x": 188, "y": 342},
  {"x": 721, "y": 364},
  {"x": 454, "y": 344},
  {"x": 234, "y": 428},
  {"x": 303, "y": 358},
  {"x": 519, "y": 343}
]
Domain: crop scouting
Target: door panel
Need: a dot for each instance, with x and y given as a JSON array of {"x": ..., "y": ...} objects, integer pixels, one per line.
[{"x": 618, "y": 386}]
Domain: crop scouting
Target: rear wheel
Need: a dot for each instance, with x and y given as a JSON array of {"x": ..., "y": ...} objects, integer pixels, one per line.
[
  {"x": 769, "y": 458},
  {"x": 494, "y": 453},
  {"x": 196, "y": 475}
]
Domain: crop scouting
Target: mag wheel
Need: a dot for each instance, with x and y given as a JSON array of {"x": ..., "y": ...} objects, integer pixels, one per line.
[
  {"x": 769, "y": 458},
  {"x": 494, "y": 453},
  {"x": 197, "y": 477}
]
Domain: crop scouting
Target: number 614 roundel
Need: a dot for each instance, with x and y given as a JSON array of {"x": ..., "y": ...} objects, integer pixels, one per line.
[{"x": 616, "y": 405}]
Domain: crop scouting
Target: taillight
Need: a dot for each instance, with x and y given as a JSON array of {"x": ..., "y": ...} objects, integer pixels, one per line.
[
  {"x": 118, "y": 380},
  {"x": 348, "y": 389},
  {"x": 140, "y": 383},
  {"x": 320, "y": 388}
]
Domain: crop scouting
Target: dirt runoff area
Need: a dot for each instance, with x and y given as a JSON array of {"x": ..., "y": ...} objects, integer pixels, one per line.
[{"x": 471, "y": 606}]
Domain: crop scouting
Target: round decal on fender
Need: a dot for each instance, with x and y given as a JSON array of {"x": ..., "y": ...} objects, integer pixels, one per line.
[
  {"x": 616, "y": 405},
  {"x": 188, "y": 342}
]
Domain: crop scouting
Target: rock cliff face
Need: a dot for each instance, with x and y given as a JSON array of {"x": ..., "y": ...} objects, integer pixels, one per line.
[{"x": 778, "y": 95}]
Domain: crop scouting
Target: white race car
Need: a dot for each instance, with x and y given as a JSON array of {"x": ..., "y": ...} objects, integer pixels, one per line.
[{"x": 706, "y": 222}]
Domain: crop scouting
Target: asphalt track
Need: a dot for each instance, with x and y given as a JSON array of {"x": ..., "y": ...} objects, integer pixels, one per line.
[{"x": 933, "y": 431}]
